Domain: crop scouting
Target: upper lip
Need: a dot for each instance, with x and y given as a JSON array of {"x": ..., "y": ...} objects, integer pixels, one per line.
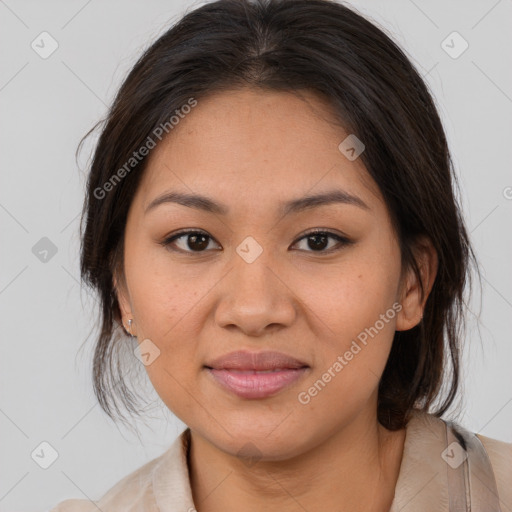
[{"x": 244, "y": 360}]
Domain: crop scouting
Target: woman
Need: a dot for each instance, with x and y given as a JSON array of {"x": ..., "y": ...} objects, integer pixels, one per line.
[{"x": 270, "y": 214}]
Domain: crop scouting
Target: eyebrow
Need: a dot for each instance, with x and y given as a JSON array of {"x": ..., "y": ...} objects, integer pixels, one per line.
[{"x": 207, "y": 204}]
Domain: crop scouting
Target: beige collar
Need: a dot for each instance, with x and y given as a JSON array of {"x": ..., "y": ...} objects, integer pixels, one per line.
[{"x": 421, "y": 485}]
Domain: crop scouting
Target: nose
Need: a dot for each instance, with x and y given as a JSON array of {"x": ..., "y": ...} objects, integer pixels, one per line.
[{"x": 255, "y": 298}]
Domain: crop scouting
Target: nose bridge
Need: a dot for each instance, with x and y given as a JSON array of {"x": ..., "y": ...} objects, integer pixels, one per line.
[
  {"x": 253, "y": 276},
  {"x": 254, "y": 297}
]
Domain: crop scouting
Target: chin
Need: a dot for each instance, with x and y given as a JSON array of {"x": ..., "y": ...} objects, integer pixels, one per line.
[{"x": 252, "y": 443}]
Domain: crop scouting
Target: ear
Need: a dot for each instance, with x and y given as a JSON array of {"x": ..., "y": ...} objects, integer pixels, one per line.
[
  {"x": 122, "y": 298},
  {"x": 411, "y": 300}
]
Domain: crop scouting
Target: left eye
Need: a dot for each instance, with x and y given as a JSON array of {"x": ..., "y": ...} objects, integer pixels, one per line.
[
  {"x": 197, "y": 241},
  {"x": 318, "y": 240}
]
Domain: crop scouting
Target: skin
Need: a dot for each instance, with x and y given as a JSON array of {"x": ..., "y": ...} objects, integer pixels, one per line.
[{"x": 250, "y": 150}]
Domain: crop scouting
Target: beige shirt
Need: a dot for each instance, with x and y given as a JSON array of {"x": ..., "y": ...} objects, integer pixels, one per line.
[{"x": 436, "y": 474}]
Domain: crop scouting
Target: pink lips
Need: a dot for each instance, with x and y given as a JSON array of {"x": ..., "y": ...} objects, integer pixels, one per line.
[{"x": 256, "y": 375}]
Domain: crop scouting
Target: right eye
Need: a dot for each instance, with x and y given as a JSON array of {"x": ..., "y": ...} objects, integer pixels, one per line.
[{"x": 191, "y": 241}]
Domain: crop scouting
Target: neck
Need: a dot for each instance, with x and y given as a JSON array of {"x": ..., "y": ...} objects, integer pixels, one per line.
[{"x": 355, "y": 468}]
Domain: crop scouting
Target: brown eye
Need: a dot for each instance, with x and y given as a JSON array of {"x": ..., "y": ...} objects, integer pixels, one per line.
[
  {"x": 318, "y": 241},
  {"x": 188, "y": 241},
  {"x": 199, "y": 241}
]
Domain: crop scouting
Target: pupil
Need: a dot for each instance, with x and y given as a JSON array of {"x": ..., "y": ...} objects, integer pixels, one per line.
[
  {"x": 194, "y": 239},
  {"x": 322, "y": 244}
]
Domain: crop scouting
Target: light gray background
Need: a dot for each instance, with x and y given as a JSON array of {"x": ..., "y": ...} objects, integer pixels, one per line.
[{"x": 48, "y": 104}]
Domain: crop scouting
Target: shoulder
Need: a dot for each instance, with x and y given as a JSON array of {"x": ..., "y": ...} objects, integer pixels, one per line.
[
  {"x": 133, "y": 488},
  {"x": 500, "y": 456},
  {"x": 490, "y": 467},
  {"x": 134, "y": 492},
  {"x": 458, "y": 463},
  {"x": 73, "y": 506}
]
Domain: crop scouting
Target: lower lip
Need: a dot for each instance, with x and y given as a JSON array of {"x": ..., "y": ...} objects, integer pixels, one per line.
[{"x": 252, "y": 384}]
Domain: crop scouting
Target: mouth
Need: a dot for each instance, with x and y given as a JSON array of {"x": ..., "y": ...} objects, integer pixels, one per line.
[
  {"x": 256, "y": 375},
  {"x": 256, "y": 384}
]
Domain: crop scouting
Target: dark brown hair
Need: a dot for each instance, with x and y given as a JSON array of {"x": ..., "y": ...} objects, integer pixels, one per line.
[{"x": 375, "y": 92}]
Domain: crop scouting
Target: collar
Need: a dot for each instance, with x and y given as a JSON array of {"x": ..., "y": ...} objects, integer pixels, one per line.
[{"x": 421, "y": 483}]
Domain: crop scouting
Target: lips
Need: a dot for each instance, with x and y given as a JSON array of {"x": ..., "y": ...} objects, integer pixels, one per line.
[
  {"x": 256, "y": 375},
  {"x": 256, "y": 361}
]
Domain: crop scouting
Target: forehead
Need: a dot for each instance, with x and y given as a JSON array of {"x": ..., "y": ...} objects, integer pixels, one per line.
[{"x": 254, "y": 145}]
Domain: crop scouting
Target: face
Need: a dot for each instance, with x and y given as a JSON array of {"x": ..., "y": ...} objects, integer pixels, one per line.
[{"x": 252, "y": 275}]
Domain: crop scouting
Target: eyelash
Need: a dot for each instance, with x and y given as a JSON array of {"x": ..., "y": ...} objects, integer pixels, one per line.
[{"x": 342, "y": 241}]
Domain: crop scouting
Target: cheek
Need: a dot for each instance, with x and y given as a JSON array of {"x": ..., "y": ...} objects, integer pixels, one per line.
[
  {"x": 350, "y": 296},
  {"x": 162, "y": 294},
  {"x": 163, "y": 304},
  {"x": 357, "y": 309}
]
